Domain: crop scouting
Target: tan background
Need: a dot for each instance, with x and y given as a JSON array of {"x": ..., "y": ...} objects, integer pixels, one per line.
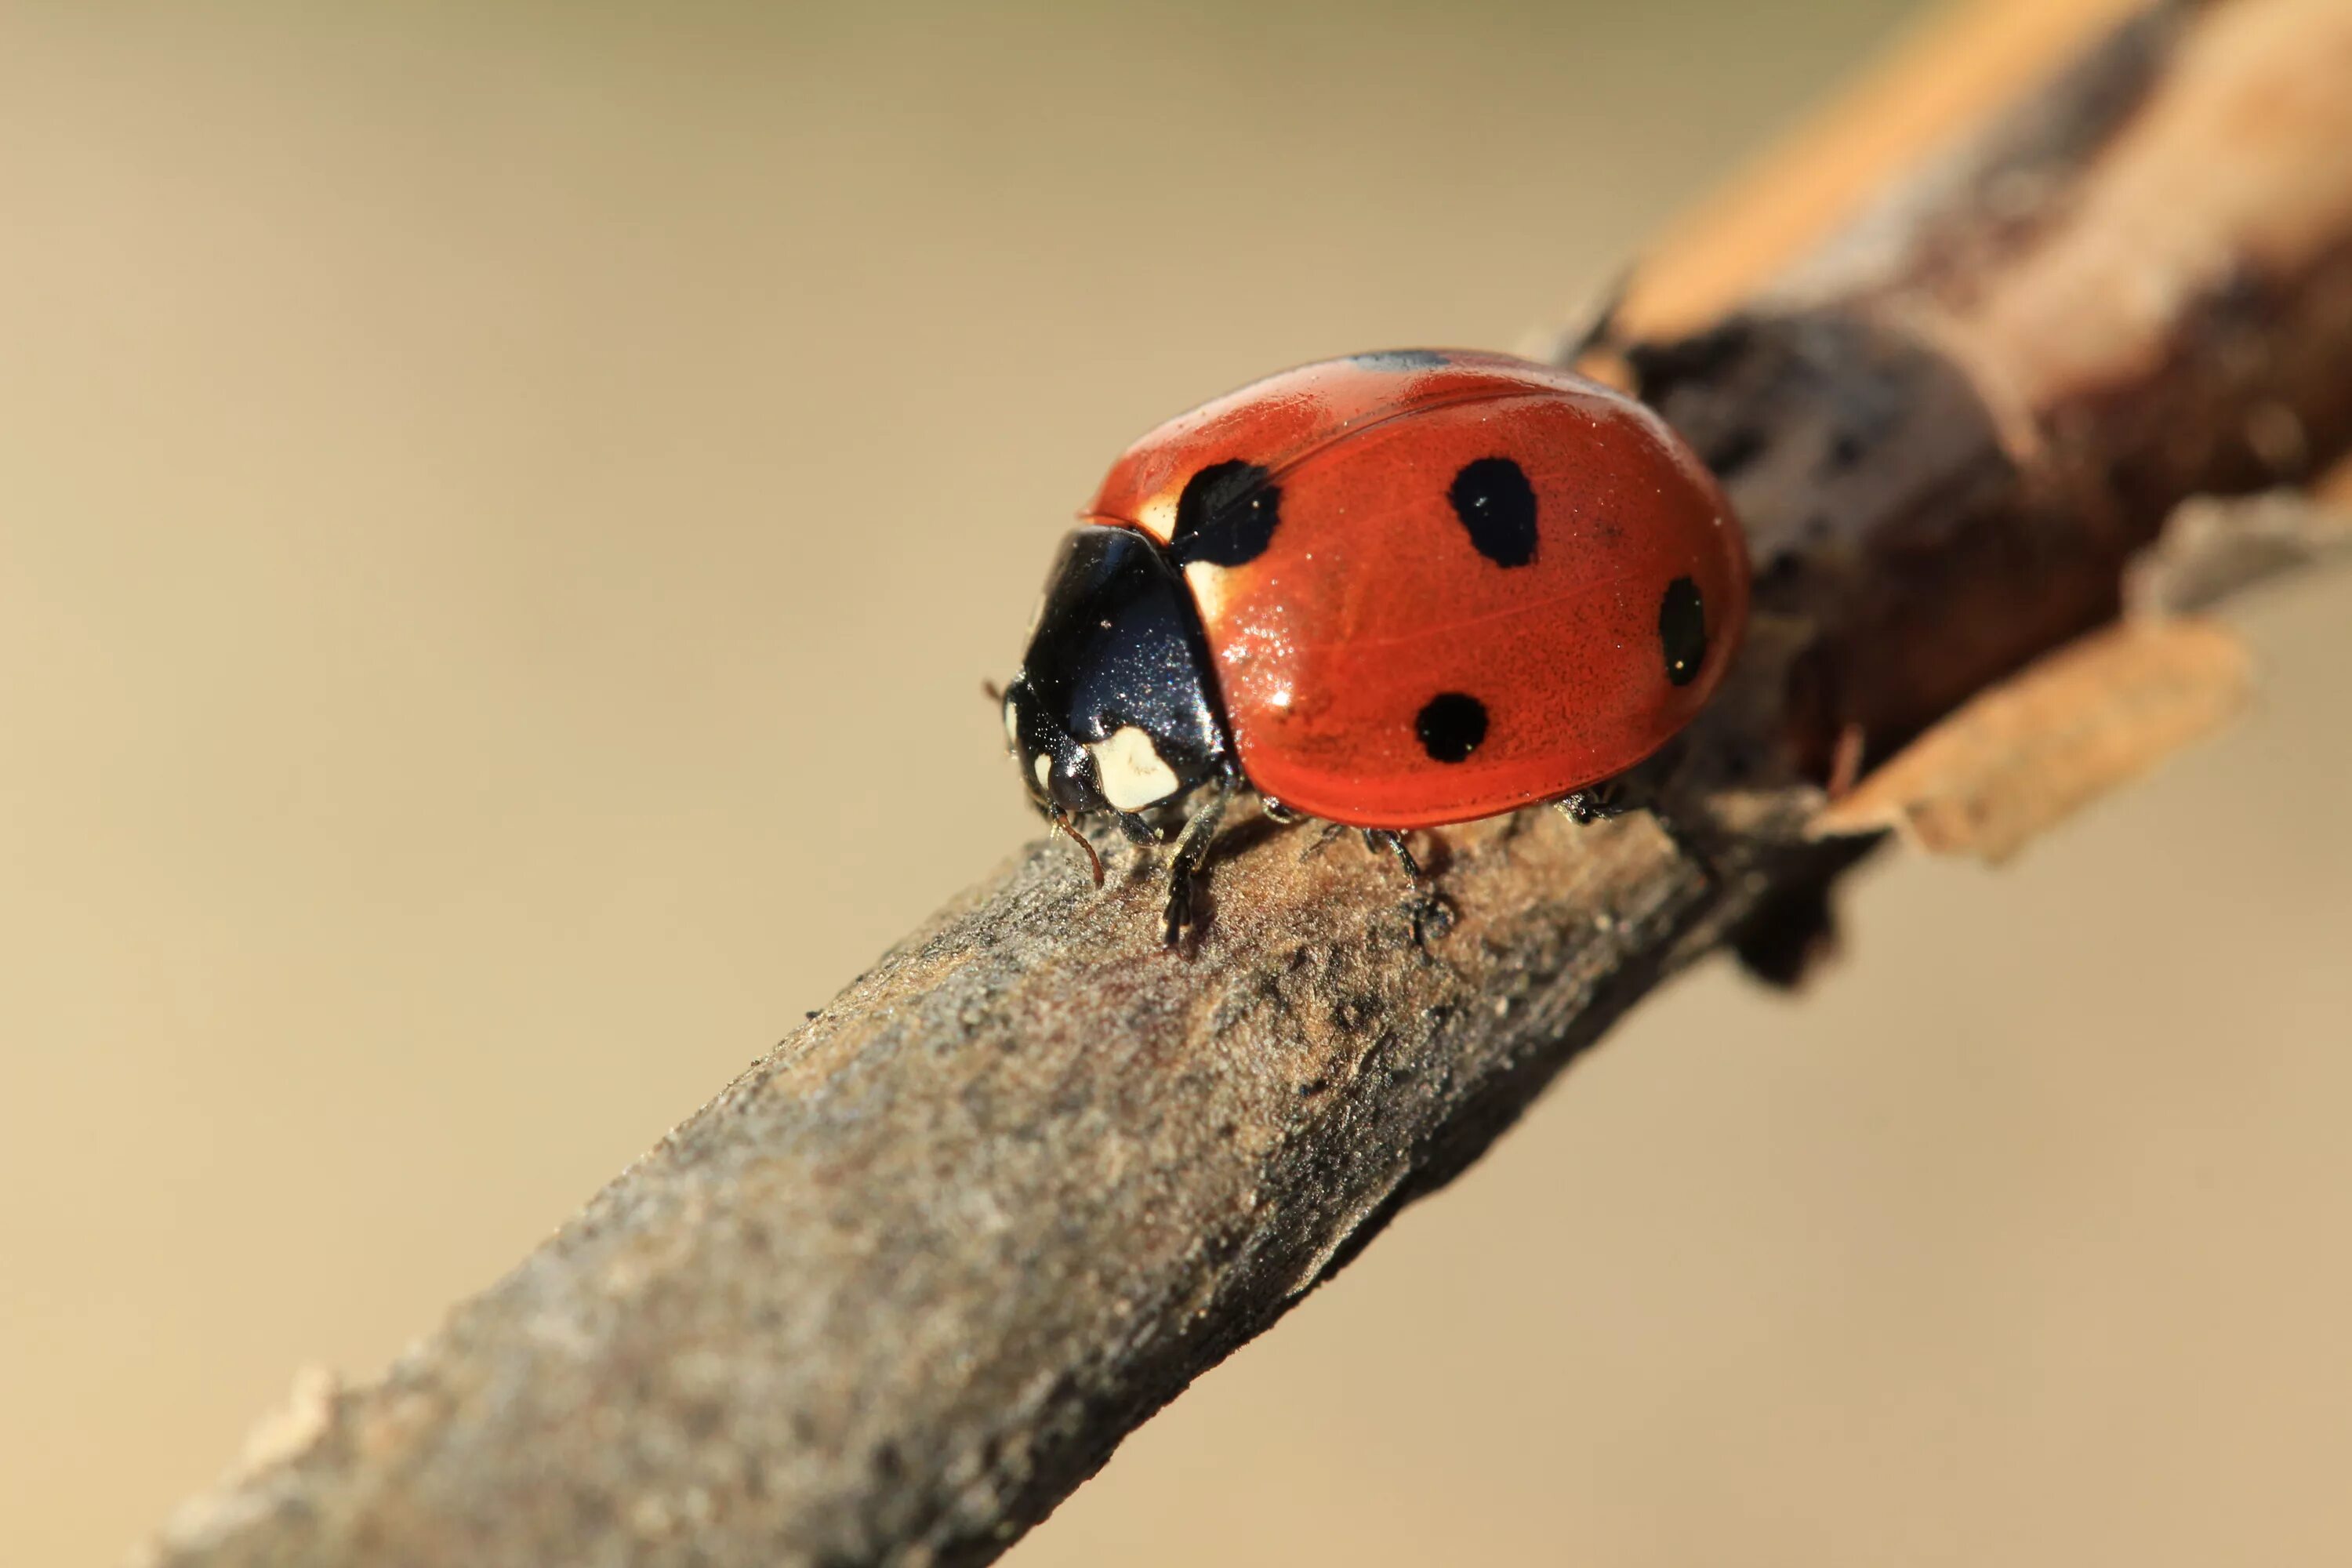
[{"x": 504, "y": 513}]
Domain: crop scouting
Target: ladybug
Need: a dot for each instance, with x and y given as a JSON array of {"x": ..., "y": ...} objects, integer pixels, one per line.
[{"x": 1394, "y": 590}]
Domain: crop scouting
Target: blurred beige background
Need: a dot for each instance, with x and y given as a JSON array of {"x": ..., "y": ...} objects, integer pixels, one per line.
[{"x": 504, "y": 513}]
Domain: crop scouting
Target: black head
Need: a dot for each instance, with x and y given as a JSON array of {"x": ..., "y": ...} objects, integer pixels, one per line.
[{"x": 1115, "y": 708}]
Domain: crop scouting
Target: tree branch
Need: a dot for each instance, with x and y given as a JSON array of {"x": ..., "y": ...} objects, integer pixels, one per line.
[{"x": 904, "y": 1284}]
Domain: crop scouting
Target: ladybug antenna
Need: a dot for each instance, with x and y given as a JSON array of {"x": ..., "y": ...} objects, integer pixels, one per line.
[{"x": 1094, "y": 861}]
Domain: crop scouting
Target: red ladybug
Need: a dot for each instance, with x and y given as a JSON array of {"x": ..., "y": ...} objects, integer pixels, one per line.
[{"x": 1394, "y": 591}]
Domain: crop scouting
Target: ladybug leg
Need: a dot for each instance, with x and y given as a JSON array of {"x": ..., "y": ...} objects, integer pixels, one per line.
[
  {"x": 1192, "y": 851},
  {"x": 1386, "y": 840},
  {"x": 1595, "y": 801},
  {"x": 1137, "y": 831},
  {"x": 1321, "y": 841}
]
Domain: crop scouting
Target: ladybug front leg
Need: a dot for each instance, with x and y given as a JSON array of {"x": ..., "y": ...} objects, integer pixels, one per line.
[{"x": 1191, "y": 852}]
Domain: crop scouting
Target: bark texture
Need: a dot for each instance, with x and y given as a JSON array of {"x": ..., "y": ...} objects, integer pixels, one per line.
[{"x": 905, "y": 1284}]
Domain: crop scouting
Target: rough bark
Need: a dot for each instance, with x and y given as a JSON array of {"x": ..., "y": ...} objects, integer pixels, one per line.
[{"x": 905, "y": 1284}]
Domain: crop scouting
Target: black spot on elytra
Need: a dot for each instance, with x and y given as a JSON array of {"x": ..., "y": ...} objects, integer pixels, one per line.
[
  {"x": 1450, "y": 725},
  {"x": 1495, "y": 503},
  {"x": 1681, "y": 629},
  {"x": 1400, "y": 360},
  {"x": 1226, "y": 515}
]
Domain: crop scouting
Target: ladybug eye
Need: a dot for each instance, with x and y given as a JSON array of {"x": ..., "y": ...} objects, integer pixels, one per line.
[
  {"x": 1227, "y": 516},
  {"x": 1497, "y": 507}
]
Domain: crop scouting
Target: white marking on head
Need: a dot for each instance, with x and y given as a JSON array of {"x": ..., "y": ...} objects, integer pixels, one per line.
[
  {"x": 1012, "y": 727},
  {"x": 1043, "y": 767},
  {"x": 1133, "y": 775}
]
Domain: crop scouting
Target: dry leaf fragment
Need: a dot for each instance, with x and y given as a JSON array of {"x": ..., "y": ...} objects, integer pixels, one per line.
[{"x": 2024, "y": 756}]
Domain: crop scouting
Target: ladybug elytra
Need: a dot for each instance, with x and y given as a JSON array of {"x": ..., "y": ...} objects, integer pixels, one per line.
[{"x": 1399, "y": 590}]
